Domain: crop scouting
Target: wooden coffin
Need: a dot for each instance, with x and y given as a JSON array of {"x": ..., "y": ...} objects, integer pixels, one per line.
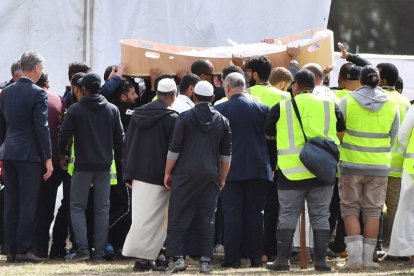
[{"x": 141, "y": 55}]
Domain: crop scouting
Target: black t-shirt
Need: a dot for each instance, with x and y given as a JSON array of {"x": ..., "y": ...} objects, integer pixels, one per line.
[{"x": 270, "y": 130}]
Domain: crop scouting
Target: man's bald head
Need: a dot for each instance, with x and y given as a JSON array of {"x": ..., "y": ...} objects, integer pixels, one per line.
[
  {"x": 204, "y": 69},
  {"x": 317, "y": 70}
]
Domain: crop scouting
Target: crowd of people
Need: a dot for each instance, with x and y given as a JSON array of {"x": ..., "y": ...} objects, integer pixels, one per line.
[{"x": 169, "y": 167}]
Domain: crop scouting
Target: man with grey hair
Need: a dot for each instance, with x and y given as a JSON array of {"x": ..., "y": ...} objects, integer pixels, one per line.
[
  {"x": 243, "y": 196},
  {"x": 26, "y": 151},
  {"x": 16, "y": 72}
]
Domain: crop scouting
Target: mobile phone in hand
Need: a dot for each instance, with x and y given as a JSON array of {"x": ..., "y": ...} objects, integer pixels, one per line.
[{"x": 341, "y": 46}]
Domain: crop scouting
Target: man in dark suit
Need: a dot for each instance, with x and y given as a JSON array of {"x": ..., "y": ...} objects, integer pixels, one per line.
[
  {"x": 243, "y": 197},
  {"x": 26, "y": 151}
]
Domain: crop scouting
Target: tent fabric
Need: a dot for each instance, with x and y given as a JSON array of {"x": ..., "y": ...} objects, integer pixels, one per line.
[{"x": 90, "y": 30}]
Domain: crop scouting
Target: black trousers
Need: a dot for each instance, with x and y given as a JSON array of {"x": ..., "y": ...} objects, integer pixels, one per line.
[
  {"x": 1, "y": 217},
  {"x": 271, "y": 218},
  {"x": 63, "y": 226},
  {"x": 243, "y": 203},
  {"x": 22, "y": 185},
  {"x": 218, "y": 233},
  {"x": 191, "y": 214},
  {"x": 119, "y": 214},
  {"x": 336, "y": 222},
  {"x": 45, "y": 210}
]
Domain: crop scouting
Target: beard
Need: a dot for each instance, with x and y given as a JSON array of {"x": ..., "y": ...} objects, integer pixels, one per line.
[{"x": 252, "y": 82}]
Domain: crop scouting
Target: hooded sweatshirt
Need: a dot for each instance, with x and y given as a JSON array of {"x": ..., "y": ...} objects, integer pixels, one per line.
[
  {"x": 372, "y": 99},
  {"x": 146, "y": 143},
  {"x": 202, "y": 138},
  {"x": 96, "y": 127}
]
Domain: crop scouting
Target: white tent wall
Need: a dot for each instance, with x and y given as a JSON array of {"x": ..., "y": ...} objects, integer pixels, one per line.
[
  {"x": 53, "y": 28},
  {"x": 198, "y": 23},
  {"x": 90, "y": 30},
  {"x": 405, "y": 65}
]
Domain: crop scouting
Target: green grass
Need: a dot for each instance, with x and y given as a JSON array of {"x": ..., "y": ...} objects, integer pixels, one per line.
[{"x": 124, "y": 267}]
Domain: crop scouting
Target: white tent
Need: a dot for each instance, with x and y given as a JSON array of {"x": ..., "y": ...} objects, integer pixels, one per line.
[
  {"x": 405, "y": 65},
  {"x": 90, "y": 30}
]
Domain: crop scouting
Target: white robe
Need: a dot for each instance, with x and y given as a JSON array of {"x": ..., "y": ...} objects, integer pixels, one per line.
[
  {"x": 149, "y": 221},
  {"x": 402, "y": 236}
]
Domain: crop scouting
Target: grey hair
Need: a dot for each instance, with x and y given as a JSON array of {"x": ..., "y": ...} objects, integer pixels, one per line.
[
  {"x": 235, "y": 80},
  {"x": 29, "y": 60},
  {"x": 15, "y": 67}
]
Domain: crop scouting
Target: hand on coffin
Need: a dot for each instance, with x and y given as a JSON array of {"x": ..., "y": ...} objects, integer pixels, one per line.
[
  {"x": 154, "y": 74},
  {"x": 327, "y": 70},
  {"x": 181, "y": 73},
  {"x": 121, "y": 70},
  {"x": 238, "y": 61},
  {"x": 293, "y": 52}
]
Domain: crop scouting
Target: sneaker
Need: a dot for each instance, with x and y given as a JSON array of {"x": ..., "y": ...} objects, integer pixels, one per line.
[
  {"x": 78, "y": 257},
  {"x": 109, "y": 252},
  {"x": 160, "y": 264},
  {"x": 142, "y": 265},
  {"x": 57, "y": 253},
  {"x": 71, "y": 253},
  {"x": 205, "y": 267},
  {"x": 176, "y": 266},
  {"x": 331, "y": 255}
]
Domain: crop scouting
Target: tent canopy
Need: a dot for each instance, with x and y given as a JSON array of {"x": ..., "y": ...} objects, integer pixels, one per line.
[{"x": 90, "y": 30}]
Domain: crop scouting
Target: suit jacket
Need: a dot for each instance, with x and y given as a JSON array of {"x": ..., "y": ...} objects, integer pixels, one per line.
[
  {"x": 24, "y": 130},
  {"x": 250, "y": 154}
]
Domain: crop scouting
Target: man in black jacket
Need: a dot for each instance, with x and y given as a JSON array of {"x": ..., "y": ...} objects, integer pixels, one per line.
[
  {"x": 26, "y": 149},
  {"x": 145, "y": 151},
  {"x": 200, "y": 154},
  {"x": 98, "y": 134}
]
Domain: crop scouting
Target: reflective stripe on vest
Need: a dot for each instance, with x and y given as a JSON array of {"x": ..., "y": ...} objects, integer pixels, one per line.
[
  {"x": 408, "y": 164},
  {"x": 397, "y": 157},
  {"x": 366, "y": 143},
  {"x": 318, "y": 119},
  {"x": 268, "y": 95}
]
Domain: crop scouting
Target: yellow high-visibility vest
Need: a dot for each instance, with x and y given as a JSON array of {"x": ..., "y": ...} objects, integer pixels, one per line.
[
  {"x": 397, "y": 156},
  {"x": 71, "y": 167},
  {"x": 318, "y": 119},
  {"x": 366, "y": 143},
  {"x": 342, "y": 93},
  {"x": 268, "y": 95},
  {"x": 408, "y": 164}
]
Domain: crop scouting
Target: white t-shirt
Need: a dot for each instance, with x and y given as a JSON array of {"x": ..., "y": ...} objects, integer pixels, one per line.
[{"x": 182, "y": 103}]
